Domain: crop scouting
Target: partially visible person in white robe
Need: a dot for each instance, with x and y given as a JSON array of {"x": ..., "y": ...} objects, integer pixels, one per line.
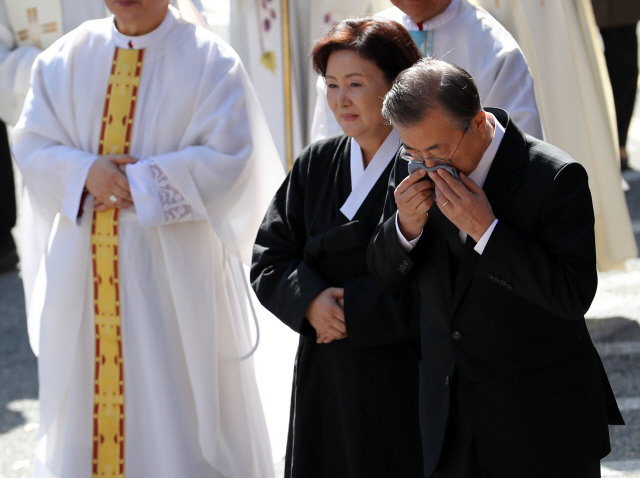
[
  {"x": 471, "y": 38},
  {"x": 203, "y": 171},
  {"x": 560, "y": 41}
]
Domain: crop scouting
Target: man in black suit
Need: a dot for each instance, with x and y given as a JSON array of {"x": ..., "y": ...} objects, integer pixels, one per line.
[{"x": 511, "y": 385}]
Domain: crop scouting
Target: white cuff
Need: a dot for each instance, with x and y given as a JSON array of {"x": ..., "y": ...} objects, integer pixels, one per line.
[
  {"x": 407, "y": 246},
  {"x": 72, "y": 199},
  {"x": 482, "y": 243},
  {"x": 144, "y": 192},
  {"x": 157, "y": 201}
]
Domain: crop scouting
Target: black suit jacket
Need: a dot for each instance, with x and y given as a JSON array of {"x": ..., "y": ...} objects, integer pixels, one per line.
[{"x": 510, "y": 322}]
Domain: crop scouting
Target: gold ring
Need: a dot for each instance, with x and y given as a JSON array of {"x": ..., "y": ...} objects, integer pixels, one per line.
[{"x": 445, "y": 203}]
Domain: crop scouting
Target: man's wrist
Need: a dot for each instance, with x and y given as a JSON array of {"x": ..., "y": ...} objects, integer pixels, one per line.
[
  {"x": 409, "y": 233},
  {"x": 407, "y": 245},
  {"x": 483, "y": 230}
]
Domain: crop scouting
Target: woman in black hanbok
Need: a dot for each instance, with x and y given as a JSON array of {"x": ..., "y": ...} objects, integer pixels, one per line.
[{"x": 354, "y": 407}]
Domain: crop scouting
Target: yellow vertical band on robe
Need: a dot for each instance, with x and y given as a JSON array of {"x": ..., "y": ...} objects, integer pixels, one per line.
[{"x": 108, "y": 401}]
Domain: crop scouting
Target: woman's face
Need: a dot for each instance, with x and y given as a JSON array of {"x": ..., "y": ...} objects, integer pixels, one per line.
[{"x": 355, "y": 90}]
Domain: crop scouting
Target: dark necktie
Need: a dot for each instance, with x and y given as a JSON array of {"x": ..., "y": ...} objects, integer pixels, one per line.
[{"x": 452, "y": 235}]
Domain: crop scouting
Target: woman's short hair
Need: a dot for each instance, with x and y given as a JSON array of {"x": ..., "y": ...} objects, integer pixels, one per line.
[
  {"x": 432, "y": 84},
  {"x": 383, "y": 42}
]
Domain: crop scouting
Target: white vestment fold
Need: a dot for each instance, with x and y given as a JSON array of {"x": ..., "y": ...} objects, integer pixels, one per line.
[
  {"x": 207, "y": 170},
  {"x": 562, "y": 45}
]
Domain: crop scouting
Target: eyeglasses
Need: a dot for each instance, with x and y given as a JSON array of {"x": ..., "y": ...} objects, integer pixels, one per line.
[{"x": 404, "y": 154}]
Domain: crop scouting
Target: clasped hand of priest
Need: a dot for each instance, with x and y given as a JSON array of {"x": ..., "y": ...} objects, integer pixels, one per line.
[{"x": 107, "y": 179}]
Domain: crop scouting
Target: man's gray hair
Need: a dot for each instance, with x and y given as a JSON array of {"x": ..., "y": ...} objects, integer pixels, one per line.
[{"x": 432, "y": 84}]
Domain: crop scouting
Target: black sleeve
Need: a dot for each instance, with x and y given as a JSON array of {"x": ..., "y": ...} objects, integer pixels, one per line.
[
  {"x": 556, "y": 269},
  {"x": 283, "y": 282},
  {"x": 391, "y": 267}
]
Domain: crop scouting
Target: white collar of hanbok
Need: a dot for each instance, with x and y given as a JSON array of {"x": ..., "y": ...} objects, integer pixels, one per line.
[
  {"x": 143, "y": 41},
  {"x": 363, "y": 180},
  {"x": 439, "y": 20}
]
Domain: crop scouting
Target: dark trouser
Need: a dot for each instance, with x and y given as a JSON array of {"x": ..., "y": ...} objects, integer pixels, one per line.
[
  {"x": 7, "y": 187},
  {"x": 621, "y": 53},
  {"x": 460, "y": 457}
]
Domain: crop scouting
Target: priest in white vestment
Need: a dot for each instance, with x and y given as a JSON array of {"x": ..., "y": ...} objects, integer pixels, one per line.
[
  {"x": 560, "y": 40},
  {"x": 26, "y": 28},
  {"x": 182, "y": 178},
  {"x": 463, "y": 34}
]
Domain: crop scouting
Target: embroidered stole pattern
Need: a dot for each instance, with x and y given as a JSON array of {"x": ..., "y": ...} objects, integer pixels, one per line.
[{"x": 108, "y": 402}]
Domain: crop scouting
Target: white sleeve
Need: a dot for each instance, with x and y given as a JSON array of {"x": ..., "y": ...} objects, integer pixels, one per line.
[
  {"x": 15, "y": 70},
  {"x": 59, "y": 170},
  {"x": 157, "y": 201},
  {"x": 226, "y": 171},
  {"x": 512, "y": 90}
]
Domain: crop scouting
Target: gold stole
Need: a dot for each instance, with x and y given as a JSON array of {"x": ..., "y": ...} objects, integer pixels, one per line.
[{"x": 108, "y": 401}]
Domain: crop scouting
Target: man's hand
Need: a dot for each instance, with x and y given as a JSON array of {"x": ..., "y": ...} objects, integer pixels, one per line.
[
  {"x": 326, "y": 315},
  {"x": 464, "y": 203},
  {"x": 106, "y": 178},
  {"x": 414, "y": 198}
]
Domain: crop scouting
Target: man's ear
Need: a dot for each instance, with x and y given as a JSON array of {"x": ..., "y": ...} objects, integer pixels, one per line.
[{"x": 478, "y": 121}]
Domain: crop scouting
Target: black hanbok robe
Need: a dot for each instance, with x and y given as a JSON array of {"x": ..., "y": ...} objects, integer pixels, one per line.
[{"x": 354, "y": 406}]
